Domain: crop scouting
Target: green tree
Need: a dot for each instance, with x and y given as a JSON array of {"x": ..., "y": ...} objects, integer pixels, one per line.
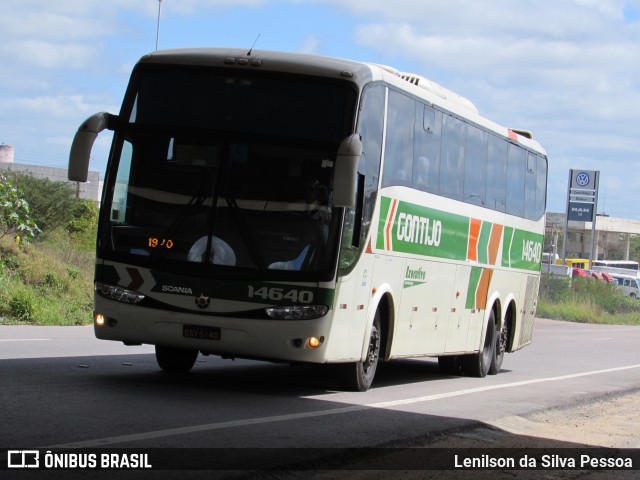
[
  {"x": 51, "y": 203},
  {"x": 634, "y": 249},
  {"x": 82, "y": 228},
  {"x": 15, "y": 215}
]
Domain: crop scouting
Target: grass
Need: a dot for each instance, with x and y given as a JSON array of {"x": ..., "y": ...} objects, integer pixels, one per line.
[
  {"x": 585, "y": 301},
  {"x": 46, "y": 283}
]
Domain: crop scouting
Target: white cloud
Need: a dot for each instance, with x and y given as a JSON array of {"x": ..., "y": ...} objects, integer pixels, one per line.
[
  {"x": 590, "y": 55},
  {"x": 310, "y": 44},
  {"x": 187, "y": 7},
  {"x": 50, "y": 55},
  {"x": 52, "y": 25}
]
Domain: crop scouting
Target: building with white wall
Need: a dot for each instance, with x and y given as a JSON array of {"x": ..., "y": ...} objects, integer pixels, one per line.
[
  {"x": 612, "y": 236},
  {"x": 91, "y": 190}
]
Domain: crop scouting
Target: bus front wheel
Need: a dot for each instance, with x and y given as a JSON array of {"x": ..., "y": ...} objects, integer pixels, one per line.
[
  {"x": 175, "y": 360},
  {"x": 358, "y": 376}
]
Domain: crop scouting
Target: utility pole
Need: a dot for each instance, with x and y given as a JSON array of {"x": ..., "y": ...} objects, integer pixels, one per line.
[{"x": 158, "y": 25}]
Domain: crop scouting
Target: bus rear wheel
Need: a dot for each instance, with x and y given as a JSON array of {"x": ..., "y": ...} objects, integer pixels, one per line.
[
  {"x": 478, "y": 364},
  {"x": 175, "y": 360},
  {"x": 498, "y": 353},
  {"x": 358, "y": 376}
]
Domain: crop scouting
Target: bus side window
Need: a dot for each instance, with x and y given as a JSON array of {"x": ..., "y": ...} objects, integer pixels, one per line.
[
  {"x": 398, "y": 153},
  {"x": 452, "y": 158},
  {"x": 497, "y": 174},
  {"x": 541, "y": 187},
  {"x": 530, "y": 186},
  {"x": 358, "y": 220},
  {"x": 426, "y": 163},
  {"x": 475, "y": 165},
  {"x": 516, "y": 168},
  {"x": 370, "y": 125}
]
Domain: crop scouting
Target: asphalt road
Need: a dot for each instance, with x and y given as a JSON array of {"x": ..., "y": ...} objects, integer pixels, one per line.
[{"x": 62, "y": 388}]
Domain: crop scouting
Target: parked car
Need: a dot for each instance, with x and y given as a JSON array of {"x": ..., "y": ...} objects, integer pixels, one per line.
[
  {"x": 597, "y": 276},
  {"x": 608, "y": 277},
  {"x": 579, "y": 272},
  {"x": 628, "y": 285}
]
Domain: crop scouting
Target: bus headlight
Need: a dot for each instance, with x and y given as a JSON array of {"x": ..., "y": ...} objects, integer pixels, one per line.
[
  {"x": 118, "y": 293},
  {"x": 297, "y": 312}
]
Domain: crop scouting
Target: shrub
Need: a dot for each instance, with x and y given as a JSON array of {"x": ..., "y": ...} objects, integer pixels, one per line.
[
  {"x": 15, "y": 215},
  {"x": 22, "y": 306},
  {"x": 585, "y": 300}
]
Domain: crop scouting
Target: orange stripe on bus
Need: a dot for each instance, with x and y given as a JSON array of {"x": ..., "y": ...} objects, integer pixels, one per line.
[
  {"x": 474, "y": 233},
  {"x": 483, "y": 288},
  {"x": 494, "y": 243}
]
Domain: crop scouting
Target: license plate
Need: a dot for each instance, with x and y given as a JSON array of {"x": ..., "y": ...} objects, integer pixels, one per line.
[{"x": 201, "y": 333}]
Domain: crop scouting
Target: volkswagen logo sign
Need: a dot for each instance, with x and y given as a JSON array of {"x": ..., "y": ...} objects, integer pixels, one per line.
[{"x": 582, "y": 179}]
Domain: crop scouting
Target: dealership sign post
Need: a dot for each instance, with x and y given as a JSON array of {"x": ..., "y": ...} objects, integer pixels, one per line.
[{"x": 582, "y": 200}]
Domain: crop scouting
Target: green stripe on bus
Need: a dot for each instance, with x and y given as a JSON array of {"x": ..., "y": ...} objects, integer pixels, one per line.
[
  {"x": 419, "y": 230},
  {"x": 483, "y": 242},
  {"x": 525, "y": 250},
  {"x": 424, "y": 231},
  {"x": 507, "y": 239},
  {"x": 474, "y": 279}
]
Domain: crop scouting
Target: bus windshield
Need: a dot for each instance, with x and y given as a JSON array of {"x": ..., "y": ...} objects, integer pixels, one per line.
[{"x": 232, "y": 170}]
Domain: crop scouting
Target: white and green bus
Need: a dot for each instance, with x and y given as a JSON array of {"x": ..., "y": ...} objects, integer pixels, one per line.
[{"x": 303, "y": 209}]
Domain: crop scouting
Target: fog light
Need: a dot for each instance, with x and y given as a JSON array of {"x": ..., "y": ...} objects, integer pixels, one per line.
[
  {"x": 99, "y": 320},
  {"x": 313, "y": 342}
]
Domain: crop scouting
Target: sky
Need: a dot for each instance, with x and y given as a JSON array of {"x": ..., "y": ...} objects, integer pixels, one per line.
[{"x": 567, "y": 70}]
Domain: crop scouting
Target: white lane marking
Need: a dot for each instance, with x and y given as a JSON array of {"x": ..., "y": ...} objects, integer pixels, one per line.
[
  {"x": 99, "y": 442},
  {"x": 24, "y": 339},
  {"x": 468, "y": 391},
  {"x": 600, "y": 330}
]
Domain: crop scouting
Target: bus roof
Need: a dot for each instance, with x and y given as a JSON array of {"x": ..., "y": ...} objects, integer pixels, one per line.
[{"x": 359, "y": 72}]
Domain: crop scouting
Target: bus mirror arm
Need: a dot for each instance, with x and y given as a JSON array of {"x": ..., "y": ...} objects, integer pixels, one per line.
[
  {"x": 345, "y": 172},
  {"x": 83, "y": 143}
]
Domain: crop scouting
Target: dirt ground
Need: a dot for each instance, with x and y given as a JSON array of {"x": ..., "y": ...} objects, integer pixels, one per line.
[{"x": 613, "y": 422}]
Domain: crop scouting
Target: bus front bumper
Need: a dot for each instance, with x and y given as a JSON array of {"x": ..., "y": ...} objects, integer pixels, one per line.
[{"x": 275, "y": 340}]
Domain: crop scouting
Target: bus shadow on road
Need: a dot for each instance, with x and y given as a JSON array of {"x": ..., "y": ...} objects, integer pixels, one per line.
[{"x": 249, "y": 376}]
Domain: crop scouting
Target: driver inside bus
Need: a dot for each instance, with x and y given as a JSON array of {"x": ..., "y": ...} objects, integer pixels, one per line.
[{"x": 314, "y": 203}]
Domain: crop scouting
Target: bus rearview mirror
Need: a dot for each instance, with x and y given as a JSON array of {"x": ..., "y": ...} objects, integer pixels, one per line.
[
  {"x": 345, "y": 172},
  {"x": 83, "y": 143}
]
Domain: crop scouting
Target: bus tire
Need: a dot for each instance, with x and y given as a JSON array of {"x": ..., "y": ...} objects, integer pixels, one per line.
[
  {"x": 175, "y": 360},
  {"x": 501, "y": 348},
  {"x": 478, "y": 364},
  {"x": 358, "y": 376}
]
